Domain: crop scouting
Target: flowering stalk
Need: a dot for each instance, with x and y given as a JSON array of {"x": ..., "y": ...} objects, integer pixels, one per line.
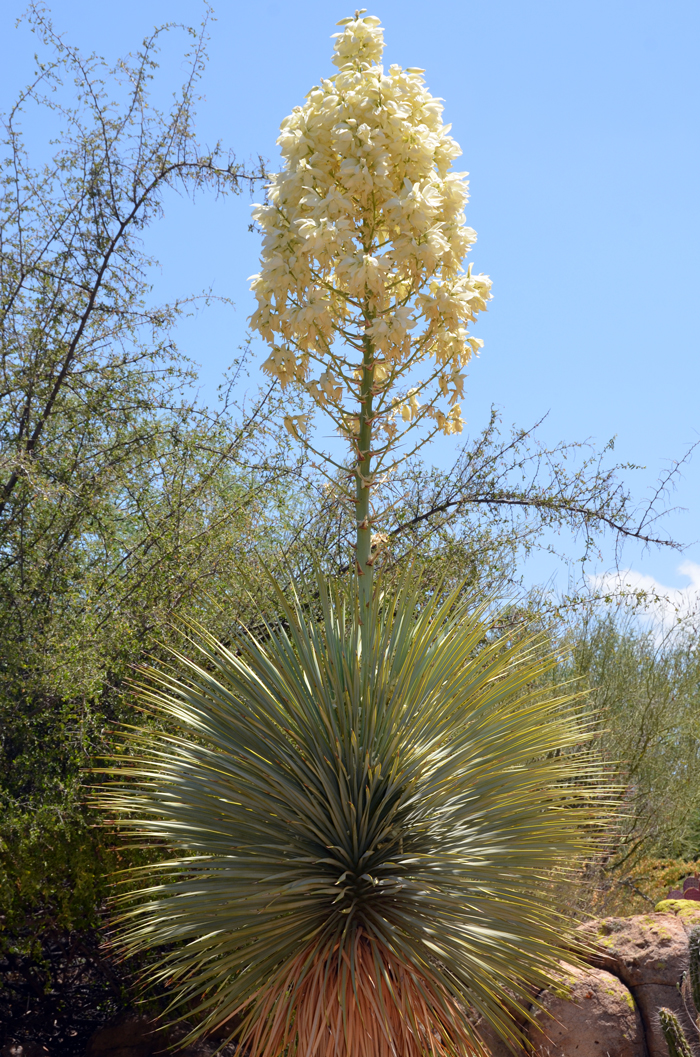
[
  {"x": 362, "y": 482},
  {"x": 362, "y": 296}
]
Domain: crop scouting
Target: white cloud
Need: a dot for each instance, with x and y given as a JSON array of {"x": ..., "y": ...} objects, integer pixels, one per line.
[{"x": 659, "y": 605}]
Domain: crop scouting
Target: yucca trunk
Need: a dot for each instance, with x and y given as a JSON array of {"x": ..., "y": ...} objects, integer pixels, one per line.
[{"x": 340, "y": 1009}]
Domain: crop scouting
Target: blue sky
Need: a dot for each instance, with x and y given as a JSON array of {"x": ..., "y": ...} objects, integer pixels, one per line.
[{"x": 579, "y": 124}]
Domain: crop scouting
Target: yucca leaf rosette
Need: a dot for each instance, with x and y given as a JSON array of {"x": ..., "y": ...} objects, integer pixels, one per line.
[{"x": 362, "y": 841}]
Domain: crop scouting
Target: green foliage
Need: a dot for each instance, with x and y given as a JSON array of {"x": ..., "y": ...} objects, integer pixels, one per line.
[
  {"x": 333, "y": 809},
  {"x": 121, "y": 501},
  {"x": 117, "y": 492},
  {"x": 55, "y": 861},
  {"x": 673, "y": 1034},
  {"x": 645, "y": 686},
  {"x": 48, "y": 865},
  {"x": 634, "y": 887},
  {"x": 55, "y": 867}
]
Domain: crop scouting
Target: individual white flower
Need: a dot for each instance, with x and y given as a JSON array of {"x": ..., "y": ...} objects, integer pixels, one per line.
[
  {"x": 296, "y": 425},
  {"x": 379, "y": 543},
  {"x": 329, "y": 385},
  {"x": 410, "y": 407}
]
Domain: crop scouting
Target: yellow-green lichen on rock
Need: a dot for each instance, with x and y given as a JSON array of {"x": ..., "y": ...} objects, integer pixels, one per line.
[
  {"x": 687, "y": 909},
  {"x": 622, "y": 993}
]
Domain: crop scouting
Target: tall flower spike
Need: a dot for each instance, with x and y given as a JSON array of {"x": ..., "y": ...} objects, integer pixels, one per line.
[
  {"x": 365, "y": 231},
  {"x": 361, "y": 273}
]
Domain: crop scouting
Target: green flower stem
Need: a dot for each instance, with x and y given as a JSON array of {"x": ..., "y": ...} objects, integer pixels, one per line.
[{"x": 362, "y": 487}]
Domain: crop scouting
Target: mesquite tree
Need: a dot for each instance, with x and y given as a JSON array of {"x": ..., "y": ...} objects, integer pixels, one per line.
[{"x": 122, "y": 500}]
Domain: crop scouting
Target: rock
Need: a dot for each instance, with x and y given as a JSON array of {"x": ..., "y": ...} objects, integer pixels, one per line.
[
  {"x": 648, "y": 953},
  {"x": 645, "y": 949},
  {"x": 518, "y": 1008},
  {"x": 599, "y": 1019},
  {"x": 494, "y": 1043}
]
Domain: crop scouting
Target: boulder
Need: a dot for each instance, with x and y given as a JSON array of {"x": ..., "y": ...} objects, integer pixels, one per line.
[
  {"x": 598, "y": 1019},
  {"x": 648, "y": 953},
  {"x": 518, "y": 1006},
  {"x": 494, "y": 1044}
]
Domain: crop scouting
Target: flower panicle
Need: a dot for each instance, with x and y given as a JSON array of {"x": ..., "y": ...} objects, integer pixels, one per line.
[{"x": 364, "y": 241}]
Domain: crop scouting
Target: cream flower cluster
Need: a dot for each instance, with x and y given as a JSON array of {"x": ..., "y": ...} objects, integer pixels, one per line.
[{"x": 364, "y": 239}]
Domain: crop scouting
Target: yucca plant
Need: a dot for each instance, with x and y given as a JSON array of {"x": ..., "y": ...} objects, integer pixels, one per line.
[
  {"x": 366, "y": 802},
  {"x": 363, "y": 838}
]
